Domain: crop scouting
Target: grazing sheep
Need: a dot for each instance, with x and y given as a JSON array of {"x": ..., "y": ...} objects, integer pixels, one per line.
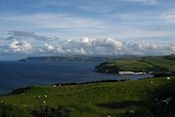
[
  {"x": 131, "y": 111},
  {"x": 167, "y": 100},
  {"x": 44, "y": 102},
  {"x": 2, "y": 101},
  {"x": 39, "y": 96},
  {"x": 151, "y": 82},
  {"x": 168, "y": 78},
  {"x": 54, "y": 85},
  {"x": 45, "y": 96}
]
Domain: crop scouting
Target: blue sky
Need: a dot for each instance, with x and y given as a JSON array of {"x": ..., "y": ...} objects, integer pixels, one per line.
[{"x": 79, "y": 27}]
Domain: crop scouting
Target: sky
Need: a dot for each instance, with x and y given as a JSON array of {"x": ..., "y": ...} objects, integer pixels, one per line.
[{"x": 86, "y": 27}]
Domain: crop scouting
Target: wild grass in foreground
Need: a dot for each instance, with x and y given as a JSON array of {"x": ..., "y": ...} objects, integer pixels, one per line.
[{"x": 140, "y": 98}]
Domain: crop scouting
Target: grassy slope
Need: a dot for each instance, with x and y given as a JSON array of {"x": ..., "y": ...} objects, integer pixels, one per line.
[
  {"x": 94, "y": 99},
  {"x": 160, "y": 63}
]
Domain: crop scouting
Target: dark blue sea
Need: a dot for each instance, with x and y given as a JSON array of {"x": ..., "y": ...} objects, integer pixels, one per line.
[{"x": 14, "y": 75}]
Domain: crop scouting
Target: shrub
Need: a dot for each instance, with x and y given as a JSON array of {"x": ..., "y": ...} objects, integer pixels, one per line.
[{"x": 12, "y": 111}]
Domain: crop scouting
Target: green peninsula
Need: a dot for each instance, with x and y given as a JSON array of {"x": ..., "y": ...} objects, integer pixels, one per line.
[{"x": 156, "y": 64}]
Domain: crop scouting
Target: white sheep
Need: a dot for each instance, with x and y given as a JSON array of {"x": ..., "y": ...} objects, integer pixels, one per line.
[
  {"x": 44, "y": 102},
  {"x": 45, "y": 96},
  {"x": 167, "y": 100},
  {"x": 168, "y": 78},
  {"x": 131, "y": 111}
]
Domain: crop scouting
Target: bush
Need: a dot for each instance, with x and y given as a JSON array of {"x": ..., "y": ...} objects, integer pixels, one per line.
[
  {"x": 50, "y": 112},
  {"x": 12, "y": 111}
]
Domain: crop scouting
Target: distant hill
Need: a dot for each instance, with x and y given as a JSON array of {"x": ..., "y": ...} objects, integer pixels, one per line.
[
  {"x": 157, "y": 64},
  {"x": 75, "y": 58}
]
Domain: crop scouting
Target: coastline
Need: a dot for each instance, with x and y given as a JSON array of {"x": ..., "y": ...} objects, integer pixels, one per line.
[{"x": 82, "y": 83}]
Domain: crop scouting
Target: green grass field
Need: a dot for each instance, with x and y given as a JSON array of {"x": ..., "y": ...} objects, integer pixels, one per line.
[
  {"x": 146, "y": 64},
  {"x": 134, "y": 98}
]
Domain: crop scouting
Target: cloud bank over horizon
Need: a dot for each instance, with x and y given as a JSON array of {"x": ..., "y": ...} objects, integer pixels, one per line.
[
  {"x": 108, "y": 27},
  {"x": 84, "y": 46}
]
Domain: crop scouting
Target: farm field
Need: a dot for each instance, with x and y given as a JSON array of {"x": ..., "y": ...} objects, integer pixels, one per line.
[
  {"x": 155, "y": 64},
  {"x": 152, "y": 97}
]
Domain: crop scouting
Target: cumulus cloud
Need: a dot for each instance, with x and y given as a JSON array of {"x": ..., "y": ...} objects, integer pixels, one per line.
[
  {"x": 20, "y": 46},
  {"x": 85, "y": 40},
  {"x": 108, "y": 46},
  {"x": 112, "y": 43},
  {"x": 89, "y": 46},
  {"x": 173, "y": 46},
  {"x": 49, "y": 47}
]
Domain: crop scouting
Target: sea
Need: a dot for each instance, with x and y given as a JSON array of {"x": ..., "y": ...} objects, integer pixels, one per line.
[{"x": 15, "y": 75}]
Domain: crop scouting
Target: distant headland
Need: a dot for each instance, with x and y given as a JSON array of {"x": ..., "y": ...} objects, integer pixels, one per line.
[{"x": 75, "y": 58}]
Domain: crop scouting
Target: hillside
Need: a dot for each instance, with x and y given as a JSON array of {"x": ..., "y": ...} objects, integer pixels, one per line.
[
  {"x": 158, "y": 64},
  {"x": 152, "y": 97},
  {"x": 74, "y": 58}
]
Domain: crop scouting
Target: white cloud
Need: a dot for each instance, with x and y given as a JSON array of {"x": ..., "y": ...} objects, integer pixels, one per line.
[
  {"x": 109, "y": 46},
  {"x": 169, "y": 16},
  {"x": 91, "y": 46},
  {"x": 109, "y": 42},
  {"x": 85, "y": 40},
  {"x": 20, "y": 46},
  {"x": 49, "y": 47},
  {"x": 80, "y": 51},
  {"x": 60, "y": 50},
  {"x": 149, "y": 2},
  {"x": 172, "y": 45}
]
